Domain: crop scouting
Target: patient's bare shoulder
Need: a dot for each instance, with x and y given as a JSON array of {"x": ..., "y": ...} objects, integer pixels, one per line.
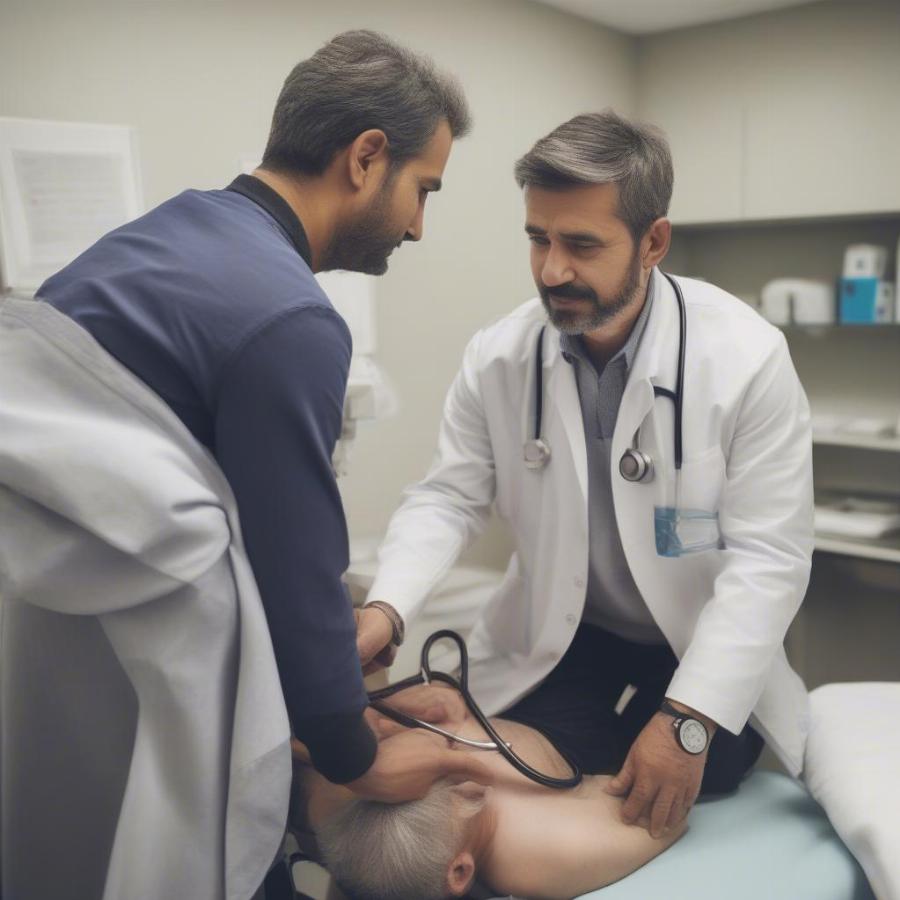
[
  {"x": 561, "y": 844},
  {"x": 617, "y": 849}
]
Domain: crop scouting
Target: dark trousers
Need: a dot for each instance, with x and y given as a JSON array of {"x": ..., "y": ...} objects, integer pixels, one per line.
[{"x": 575, "y": 708}]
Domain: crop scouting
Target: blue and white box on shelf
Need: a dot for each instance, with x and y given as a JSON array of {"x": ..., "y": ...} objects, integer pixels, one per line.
[
  {"x": 865, "y": 261},
  {"x": 866, "y": 301}
]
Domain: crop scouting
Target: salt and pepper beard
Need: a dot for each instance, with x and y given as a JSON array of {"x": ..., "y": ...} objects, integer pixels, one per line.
[{"x": 573, "y": 322}]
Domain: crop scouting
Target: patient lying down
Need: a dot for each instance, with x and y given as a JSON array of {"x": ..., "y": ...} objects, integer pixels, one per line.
[{"x": 516, "y": 837}]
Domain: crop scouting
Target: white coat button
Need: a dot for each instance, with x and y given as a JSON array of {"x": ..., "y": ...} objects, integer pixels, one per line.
[
  {"x": 579, "y": 582},
  {"x": 570, "y": 619}
]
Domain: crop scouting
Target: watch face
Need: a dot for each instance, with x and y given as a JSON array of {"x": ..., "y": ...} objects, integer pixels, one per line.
[{"x": 692, "y": 735}]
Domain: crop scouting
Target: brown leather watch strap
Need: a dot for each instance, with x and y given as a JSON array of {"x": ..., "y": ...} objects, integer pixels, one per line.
[{"x": 393, "y": 617}]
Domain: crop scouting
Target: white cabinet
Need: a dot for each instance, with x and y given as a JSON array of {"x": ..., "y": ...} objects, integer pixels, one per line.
[
  {"x": 695, "y": 107},
  {"x": 707, "y": 174},
  {"x": 822, "y": 133},
  {"x": 815, "y": 161},
  {"x": 785, "y": 116}
]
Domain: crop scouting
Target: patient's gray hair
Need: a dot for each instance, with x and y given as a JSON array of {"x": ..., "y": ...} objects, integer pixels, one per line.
[
  {"x": 605, "y": 148},
  {"x": 397, "y": 851}
]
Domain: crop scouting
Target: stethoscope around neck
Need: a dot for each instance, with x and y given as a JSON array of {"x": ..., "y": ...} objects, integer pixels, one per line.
[{"x": 636, "y": 465}]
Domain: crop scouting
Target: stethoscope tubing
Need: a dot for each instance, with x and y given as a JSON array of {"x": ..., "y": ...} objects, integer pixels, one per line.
[
  {"x": 676, "y": 396},
  {"x": 426, "y": 675}
]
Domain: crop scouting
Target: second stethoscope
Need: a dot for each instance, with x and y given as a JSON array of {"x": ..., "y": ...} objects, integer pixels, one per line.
[{"x": 636, "y": 464}]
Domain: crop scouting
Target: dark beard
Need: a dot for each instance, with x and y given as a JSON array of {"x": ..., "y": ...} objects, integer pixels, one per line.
[
  {"x": 574, "y": 322},
  {"x": 364, "y": 245}
]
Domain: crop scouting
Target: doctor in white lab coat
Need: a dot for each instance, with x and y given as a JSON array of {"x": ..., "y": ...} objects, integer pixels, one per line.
[{"x": 719, "y": 599}]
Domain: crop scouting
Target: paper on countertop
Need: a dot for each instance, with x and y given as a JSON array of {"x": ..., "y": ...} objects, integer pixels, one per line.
[
  {"x": 869, "y": 427},
  {"x": 827, "y": 423},
  {"x": 823, "y": 423},
  {"x": 856, "y": 517}
]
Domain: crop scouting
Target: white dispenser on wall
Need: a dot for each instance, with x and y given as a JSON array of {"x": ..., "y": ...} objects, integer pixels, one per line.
[{"x": 369, "y": 393}]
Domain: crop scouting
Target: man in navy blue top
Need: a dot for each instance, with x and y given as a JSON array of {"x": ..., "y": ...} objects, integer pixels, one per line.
[{"x": 210, "y": 299}]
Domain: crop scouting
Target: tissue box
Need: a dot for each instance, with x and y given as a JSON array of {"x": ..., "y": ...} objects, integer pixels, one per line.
[
  {"x": 865, "y": 261},
  {"x": 800, "y": 301},
  {"x": 866, "y": 301}
]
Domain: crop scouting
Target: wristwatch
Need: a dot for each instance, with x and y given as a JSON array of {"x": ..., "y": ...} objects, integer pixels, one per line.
[{"x": 690, "y": 733}]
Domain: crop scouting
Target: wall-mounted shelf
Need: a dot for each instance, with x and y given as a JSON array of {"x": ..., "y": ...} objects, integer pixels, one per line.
[
  {"x": 885, "y": 216},
  {"x": 859, "y": 441},
  {"x": 882, "y": 329},
  {"x": 849, "y": 371},
  {"x": 885, "y": 549},
  {"x": 743, "y": 256}
]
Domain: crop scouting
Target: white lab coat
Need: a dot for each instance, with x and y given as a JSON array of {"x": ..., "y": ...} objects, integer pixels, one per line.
[
  {"x": 145, "y": 742},
  {"x": 747, "y": 454}
]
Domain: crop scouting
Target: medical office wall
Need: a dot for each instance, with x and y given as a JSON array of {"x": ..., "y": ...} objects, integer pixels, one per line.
[
  {"x": 198, "y": 80},
  {"x": 784, "y": 127}
]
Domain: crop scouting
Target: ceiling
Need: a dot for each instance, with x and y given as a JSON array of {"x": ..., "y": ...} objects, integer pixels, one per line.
[{"x": 648, "y": 16}]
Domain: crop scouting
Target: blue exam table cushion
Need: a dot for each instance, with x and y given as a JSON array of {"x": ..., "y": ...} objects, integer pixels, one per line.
[{"x": 769, "y": 841}]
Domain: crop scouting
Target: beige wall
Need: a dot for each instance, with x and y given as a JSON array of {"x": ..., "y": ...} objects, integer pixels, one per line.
[{"x": 199, "y": 80}]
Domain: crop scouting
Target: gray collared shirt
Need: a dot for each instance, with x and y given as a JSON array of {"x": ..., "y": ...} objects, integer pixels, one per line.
[{"x": 613, "y": 600}]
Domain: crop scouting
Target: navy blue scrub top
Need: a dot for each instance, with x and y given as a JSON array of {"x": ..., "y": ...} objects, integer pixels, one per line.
[{"x": 210, "y": 299}]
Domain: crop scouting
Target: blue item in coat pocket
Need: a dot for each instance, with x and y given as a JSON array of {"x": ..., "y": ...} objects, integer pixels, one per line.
[{"x": 680, "y": 531}]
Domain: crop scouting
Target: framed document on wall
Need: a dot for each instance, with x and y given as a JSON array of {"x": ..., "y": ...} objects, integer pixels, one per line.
[{"x": 62, "y": 186}]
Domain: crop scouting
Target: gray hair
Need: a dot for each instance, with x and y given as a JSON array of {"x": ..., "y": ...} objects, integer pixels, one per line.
[
  {"x": 605, "y": 148},
  {"x": 397, "y": 851},
  {"x": 357, "y": 81}
]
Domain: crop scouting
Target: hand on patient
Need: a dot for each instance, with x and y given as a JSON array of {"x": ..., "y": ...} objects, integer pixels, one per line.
[
  {"x": 410, "y": 762},
  {"x": 436, "y": 703},
  {"x": 659, "y": 780},
  {"x": 519, "y": 838}
]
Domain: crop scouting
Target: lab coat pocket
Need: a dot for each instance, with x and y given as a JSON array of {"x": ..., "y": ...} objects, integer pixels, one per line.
[
  {"x": 702, "y": 480},
  {"x": 507, "y": 617},
  {"x": 687, "y": 521}
]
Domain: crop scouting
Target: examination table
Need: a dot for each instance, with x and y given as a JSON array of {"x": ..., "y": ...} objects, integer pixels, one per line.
[
  {"x": 773, "y": 841},
  {"x": 769, "y": 841}
]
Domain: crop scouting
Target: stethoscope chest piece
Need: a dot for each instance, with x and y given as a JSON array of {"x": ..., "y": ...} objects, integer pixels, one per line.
[
  {"x": 536, "y": 453},
  {"x": 636, "y": 466}
]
